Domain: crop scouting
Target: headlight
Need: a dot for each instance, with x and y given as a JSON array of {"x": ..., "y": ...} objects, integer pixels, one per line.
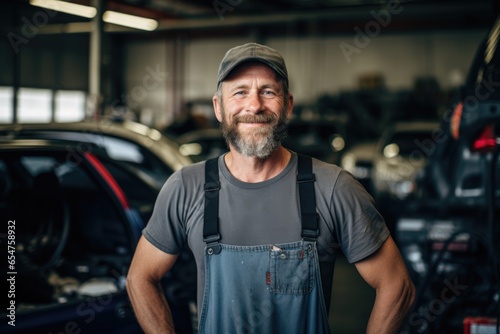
[
  {"x": 396, "y": 177},
  {"x": 348, "y": 162},
  {"x": 391, "y": 151},
  {"x": 337, "y": 143},
  {"x": 394, "y": 170},
  {"x": 401, "y": 189}
]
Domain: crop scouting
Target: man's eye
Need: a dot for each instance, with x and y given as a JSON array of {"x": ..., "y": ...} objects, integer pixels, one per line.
[
  {"x": 239, "y": 92},
  {"x": 269, "y": 92}
]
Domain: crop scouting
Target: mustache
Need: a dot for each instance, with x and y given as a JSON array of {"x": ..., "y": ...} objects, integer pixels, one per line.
[{"x": 258, "y": 118}]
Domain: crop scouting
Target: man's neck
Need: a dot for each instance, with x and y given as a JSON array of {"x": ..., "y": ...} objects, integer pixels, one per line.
[{"x": 253, "y": 169}]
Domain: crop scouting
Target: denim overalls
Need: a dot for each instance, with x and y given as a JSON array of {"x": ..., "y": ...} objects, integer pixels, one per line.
[{"x": 266, "y": 288}]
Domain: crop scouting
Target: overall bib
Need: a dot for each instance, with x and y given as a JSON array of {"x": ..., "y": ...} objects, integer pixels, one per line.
[{"x": 266, "y": 288}]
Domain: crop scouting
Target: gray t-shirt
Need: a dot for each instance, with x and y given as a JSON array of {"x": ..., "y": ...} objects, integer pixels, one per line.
[{"x": 266, "y": 213}]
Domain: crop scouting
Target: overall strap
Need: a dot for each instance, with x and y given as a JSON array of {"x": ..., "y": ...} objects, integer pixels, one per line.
[
  {"x": 211, "y": 234},
  {"x": 305, "y": 180},
  {"x": 309, "y": 216}
]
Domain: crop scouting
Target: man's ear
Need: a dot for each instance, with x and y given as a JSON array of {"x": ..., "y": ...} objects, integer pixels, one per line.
[{"x": 217, "y": 107}]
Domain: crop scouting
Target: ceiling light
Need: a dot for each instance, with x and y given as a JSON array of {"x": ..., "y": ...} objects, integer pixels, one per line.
[
  {"x": 66, "y": 7},
  {"x": 130, "y": 21}
]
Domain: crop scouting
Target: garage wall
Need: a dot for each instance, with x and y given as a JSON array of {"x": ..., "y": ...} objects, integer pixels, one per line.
[
  {"x": 47, "y": 61},
  {"x": 202, "y": 62},
  {"x": 156, "y": 77},
  {"x": 149, "y": 80},
  {"x": 318, "y": 65}
]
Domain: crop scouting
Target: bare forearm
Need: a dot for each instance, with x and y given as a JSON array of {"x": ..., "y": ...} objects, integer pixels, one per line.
[
  {"x": 390, "y": 309},
  {"x": 150, "y": 306}
]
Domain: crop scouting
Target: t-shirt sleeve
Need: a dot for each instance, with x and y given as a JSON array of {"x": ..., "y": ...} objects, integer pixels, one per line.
[
  {"x": 165, "y": 229},
  {"x": 360, "y": 229}
]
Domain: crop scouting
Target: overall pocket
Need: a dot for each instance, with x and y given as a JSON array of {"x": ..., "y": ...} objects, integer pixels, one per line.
[{"x": 292, "y": 270}]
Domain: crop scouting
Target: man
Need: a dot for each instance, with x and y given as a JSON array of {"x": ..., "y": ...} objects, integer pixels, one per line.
[{"x": 264, "y": 223}]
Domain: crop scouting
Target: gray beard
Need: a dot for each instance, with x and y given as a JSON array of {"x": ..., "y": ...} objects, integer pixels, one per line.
[{"x": 262, "y": 142}]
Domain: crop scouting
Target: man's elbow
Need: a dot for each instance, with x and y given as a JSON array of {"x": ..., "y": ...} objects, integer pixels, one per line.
[
  {"x": 134, "y": 283},
  {"x": 408, "y": 294},
  {"x": 138, "y": 282},
  {"x": 130, "y": 283}
]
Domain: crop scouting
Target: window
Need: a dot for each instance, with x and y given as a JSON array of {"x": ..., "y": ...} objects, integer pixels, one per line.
[
  {"x": 6, "y": 112},
  {"x": 42, "y": 105},
  {"x": 69, "y": 106},
  {"x": 34, "y": 105}
]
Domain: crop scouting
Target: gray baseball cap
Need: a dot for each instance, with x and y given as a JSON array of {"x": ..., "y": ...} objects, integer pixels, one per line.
[{"x": 252, "y": 52}]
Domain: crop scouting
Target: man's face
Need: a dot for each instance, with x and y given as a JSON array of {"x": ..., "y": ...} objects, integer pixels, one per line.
[{"x": 252, "y": 110}]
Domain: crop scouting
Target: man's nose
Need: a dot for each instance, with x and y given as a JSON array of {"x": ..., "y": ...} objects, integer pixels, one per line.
[{"x": 254, "y": 102}]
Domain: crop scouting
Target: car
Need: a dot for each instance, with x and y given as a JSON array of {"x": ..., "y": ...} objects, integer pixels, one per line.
[
  {"x": 71, "y": 235},
  {"x": 399, "y": 157},
  {"x": 317, "y": 138},
  {"x": 148, "y": 158},
  {"x": 358, "y": 160},
  {"x": 141, "y": 147},
  {"x": 449, "y": 233},
  {"x": 200, "y": 145},
  {"x": 142, "y": 150}
]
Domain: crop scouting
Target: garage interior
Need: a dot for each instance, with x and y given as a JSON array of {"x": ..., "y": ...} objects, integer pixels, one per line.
[{"x": 356, "y": 67}]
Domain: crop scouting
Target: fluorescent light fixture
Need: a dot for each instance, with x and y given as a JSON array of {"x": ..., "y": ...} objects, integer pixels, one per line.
[
  {"x": 130, "y": 21},
  {"x": 66, "y": 7},
  {"x": 109, "y": 16}
]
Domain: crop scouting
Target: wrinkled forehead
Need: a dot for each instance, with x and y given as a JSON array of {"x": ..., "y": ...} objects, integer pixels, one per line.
[{"x": 252, "y": 69}]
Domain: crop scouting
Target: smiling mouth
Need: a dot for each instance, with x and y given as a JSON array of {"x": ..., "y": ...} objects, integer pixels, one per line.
[
  {"x": 255, "y": 119},
  {"x": 253, "y": 122}
]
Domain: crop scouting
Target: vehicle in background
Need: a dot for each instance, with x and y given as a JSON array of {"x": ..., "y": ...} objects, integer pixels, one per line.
[
  {"x": 200, "y": 145},
  {"x": 72, "y": 232},
  {"x": 399, "y": 156},
  {"x": 140, "y": 147},
  {"x": 358, "y": 160},
  {"x": 139, "y": 159},
  {"x": 449, "y": 234},
  {"x": 316, "y": 138}
]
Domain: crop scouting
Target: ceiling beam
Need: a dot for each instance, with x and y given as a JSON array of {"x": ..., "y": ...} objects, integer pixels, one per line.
[{"x": 409, "y": 12}]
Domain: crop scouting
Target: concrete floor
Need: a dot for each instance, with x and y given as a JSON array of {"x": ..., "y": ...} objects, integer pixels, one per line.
[{"x": 352, "y": 300}]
